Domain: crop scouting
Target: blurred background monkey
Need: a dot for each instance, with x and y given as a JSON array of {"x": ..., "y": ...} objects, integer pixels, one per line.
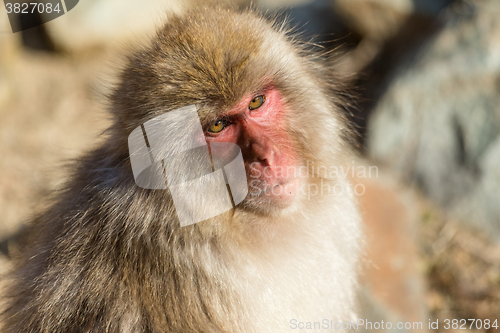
[{"x": 109, "y": 256}]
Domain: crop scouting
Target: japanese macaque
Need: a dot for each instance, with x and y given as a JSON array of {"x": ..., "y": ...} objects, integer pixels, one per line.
[{"x": 111, "y": 256}]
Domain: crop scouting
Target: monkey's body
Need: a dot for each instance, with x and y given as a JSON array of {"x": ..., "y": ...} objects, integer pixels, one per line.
[{"x": 109, "y": 256}]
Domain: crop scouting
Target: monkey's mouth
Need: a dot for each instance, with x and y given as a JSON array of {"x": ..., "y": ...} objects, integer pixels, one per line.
[{"x": 282, "y": 192}]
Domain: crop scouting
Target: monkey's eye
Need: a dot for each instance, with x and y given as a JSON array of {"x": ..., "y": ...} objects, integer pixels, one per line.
[
  {"x": 256, "y": 102},
  {"x": 217, "y": 126}
]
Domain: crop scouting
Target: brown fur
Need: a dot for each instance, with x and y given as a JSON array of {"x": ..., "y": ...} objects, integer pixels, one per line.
[{"x": 109, "y": 256}]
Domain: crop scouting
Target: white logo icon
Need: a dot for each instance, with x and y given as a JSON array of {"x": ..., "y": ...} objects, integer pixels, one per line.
[{"x": 170, "y": 151}]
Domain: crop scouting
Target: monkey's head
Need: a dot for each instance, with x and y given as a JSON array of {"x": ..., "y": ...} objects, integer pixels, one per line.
[{"x": 253, "y": 85}]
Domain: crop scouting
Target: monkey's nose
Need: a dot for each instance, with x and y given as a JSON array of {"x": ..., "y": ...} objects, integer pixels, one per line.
[{"x": 264, "y": 152}]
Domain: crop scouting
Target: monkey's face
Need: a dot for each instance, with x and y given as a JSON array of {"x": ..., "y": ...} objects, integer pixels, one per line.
[{"x": 257, "y": 124}]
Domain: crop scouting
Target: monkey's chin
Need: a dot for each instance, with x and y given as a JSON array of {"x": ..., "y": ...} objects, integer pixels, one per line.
[{"x": 278, "y": 196}]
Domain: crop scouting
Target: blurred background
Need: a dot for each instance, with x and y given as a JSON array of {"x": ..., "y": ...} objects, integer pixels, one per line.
[{"x": 422, "y": 82}]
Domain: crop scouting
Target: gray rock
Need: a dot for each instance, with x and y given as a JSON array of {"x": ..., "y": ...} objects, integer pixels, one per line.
[
  {"x": 482, "y": 205},
  {"x": 438, "y": 122},
  {"x": 380, "y": 19}
]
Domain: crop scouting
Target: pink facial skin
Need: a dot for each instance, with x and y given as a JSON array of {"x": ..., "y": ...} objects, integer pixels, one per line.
[{"x": 268, "y": 152}]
